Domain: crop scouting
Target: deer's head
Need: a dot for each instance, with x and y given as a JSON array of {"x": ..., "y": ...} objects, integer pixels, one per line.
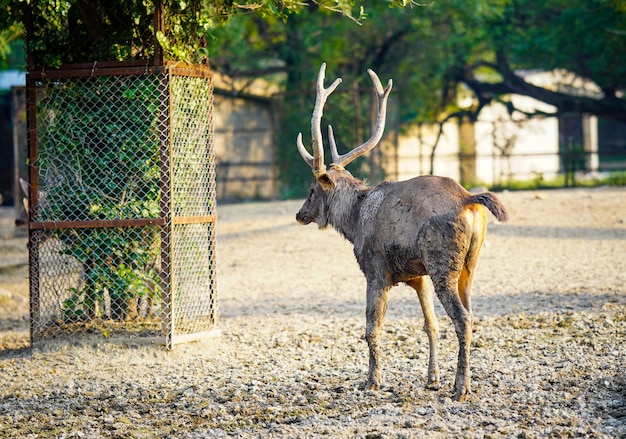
[{"x": 315, "y": 208}]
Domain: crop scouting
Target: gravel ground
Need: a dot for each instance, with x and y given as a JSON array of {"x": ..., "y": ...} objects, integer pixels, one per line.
[{"x": 548, "y": 353}]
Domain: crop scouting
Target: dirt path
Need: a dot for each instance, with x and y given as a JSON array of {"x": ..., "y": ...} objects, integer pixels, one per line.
[{"x": 548, "y": 350}]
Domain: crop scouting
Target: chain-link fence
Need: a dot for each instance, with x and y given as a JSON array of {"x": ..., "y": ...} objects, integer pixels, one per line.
[{"x": 122, "y": 197}]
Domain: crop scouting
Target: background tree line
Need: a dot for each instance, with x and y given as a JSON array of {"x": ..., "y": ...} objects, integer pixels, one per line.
[{"x": 436, "y": 52}]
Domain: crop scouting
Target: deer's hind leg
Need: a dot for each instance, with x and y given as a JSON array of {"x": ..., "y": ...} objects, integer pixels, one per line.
[
  {"x": 431, "y": 327},
  {"x": 444, "y": 261},
  {"x": 446, "y": 288}
]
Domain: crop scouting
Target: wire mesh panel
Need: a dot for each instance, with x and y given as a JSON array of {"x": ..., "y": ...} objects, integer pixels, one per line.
[
  {"x": 98, "y": 280},
  {"x": 98, "y": 148},
  {"x": 194, "y": 308},
  {"x": 122, "y": 203}
]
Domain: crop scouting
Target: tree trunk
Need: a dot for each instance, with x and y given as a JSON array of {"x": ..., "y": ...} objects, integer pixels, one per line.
[{"x": 467, "y": 151}]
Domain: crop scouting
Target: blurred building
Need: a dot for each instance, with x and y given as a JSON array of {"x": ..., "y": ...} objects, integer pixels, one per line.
[{"x": 504, "y": 145}]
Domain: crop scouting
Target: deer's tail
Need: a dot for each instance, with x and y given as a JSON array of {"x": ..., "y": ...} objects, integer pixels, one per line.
[{"x": 491, "y": 202}]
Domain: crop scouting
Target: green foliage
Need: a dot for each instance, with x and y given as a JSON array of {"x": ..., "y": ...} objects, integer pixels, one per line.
[
  {"x": 74, "y": 31},
  {"x": 447, "y": 59},
  {"x": 586, "y": 38},
  {"x": 12, "y": 54},
  {"x": 616, "y": 179},
  {"x": 117, "y": 262},
  {"x": 99, "y": 130},
  {"x": 99, "y": 160},
  {"x": 70, "y": 31}
]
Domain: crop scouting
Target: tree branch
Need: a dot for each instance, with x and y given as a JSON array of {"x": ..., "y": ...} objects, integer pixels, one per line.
[
  {"x": 386, "y": 46},
  {"x": 224, "y": 67},
  {"x": 609, "y": 106}
]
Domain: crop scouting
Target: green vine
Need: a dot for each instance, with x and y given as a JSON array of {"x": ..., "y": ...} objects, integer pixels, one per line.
[{"x": 99, "y": 160}]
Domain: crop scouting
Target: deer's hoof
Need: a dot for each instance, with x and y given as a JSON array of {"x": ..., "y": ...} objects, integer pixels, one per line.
[
  {"x": 461, "y": 393},
  {"x": 433, "y": 385},
  {"x": 372, "y": 385},
  {"x": 460, "y": 398}
]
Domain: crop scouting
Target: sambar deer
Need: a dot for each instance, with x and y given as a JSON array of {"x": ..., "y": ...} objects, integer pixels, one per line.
[{"x": 401, "y": 232}]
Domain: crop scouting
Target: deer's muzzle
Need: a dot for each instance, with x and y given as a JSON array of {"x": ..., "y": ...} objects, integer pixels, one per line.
[{"x": 303, "y": 218}]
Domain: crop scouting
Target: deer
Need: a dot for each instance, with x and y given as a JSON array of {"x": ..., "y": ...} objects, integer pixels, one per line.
[{"x": 402, "y": 232}]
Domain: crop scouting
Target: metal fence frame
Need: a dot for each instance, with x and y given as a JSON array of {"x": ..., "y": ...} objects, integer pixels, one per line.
[{"x": 178, "y": 223}]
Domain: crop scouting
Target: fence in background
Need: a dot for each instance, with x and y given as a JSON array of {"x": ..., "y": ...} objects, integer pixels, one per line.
[{"x": 571, "y": 165}]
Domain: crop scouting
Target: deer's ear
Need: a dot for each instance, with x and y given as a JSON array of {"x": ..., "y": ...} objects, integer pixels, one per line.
[{"x": 326, "y": 181}]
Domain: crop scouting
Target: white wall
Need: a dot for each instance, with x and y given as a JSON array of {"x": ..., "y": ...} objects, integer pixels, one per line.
[
  {"x": 414, "y": 155},
  {"x": 534, "y": 145}
]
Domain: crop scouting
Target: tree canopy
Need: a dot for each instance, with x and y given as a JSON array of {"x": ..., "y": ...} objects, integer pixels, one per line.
[
  {"x": 437, "y": 51},
  {"x": 447, "y": 59},
  {"x": 66, "y": 31},
  {"x": 434, "y": 51}
]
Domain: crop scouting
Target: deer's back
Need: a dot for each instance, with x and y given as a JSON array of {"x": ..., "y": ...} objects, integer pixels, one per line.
[
  {"x": 396, "y": 216},
  {"x": 417, "y": 200}
]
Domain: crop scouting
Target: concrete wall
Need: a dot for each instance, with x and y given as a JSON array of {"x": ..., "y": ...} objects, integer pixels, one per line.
[{"x": 243, "y": 147}]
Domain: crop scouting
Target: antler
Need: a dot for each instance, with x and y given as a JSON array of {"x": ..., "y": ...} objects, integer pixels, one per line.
[
  {"x": 379, "y": 128},
  {"x": 316, "y": 161}
]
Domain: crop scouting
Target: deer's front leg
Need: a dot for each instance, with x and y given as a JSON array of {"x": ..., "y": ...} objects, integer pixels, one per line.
[{"x": 375, "y": 314}]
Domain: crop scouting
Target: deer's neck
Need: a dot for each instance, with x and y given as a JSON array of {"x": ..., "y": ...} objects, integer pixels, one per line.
[{"x": 344, "y": 205}]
